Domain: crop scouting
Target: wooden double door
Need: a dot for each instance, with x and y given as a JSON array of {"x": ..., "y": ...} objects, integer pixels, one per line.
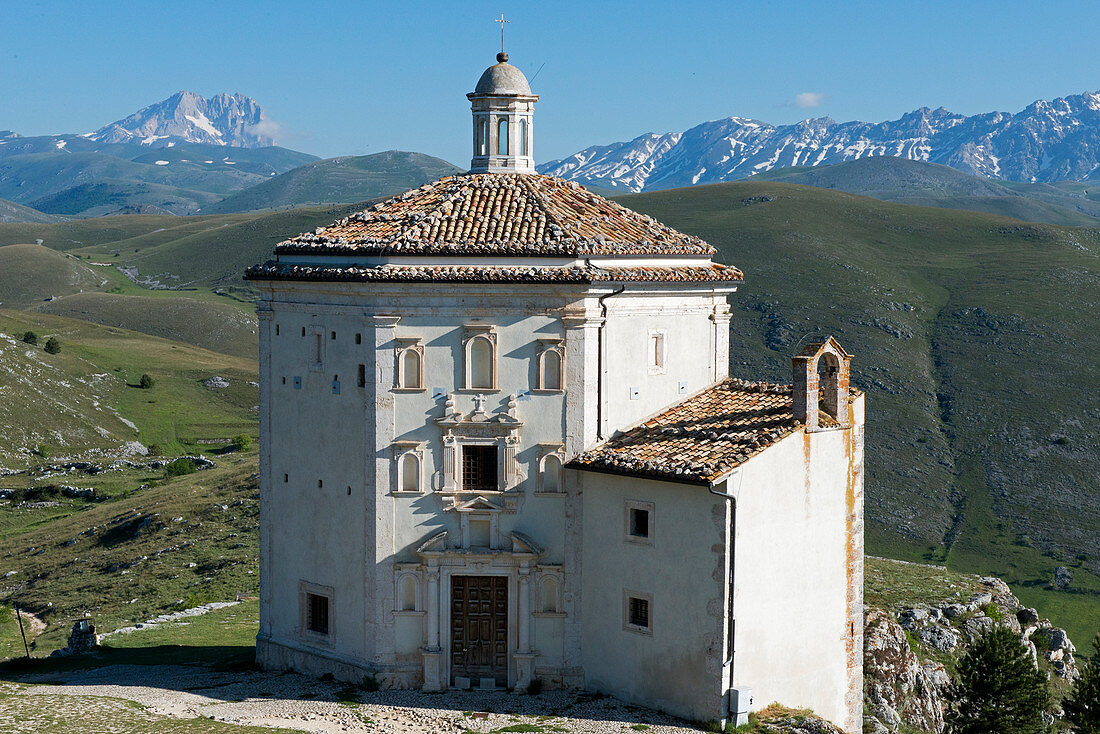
[{"x": 479, "y": 628}]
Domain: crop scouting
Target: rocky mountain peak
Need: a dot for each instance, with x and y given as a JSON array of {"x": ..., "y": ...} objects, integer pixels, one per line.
[
  {"x": 1048, "y": 141},
  {"x": 187, "y": 117}
]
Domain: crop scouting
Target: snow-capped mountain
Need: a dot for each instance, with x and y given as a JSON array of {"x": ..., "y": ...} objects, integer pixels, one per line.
[
  {"x": 1047, "y": 141},
  {"x": 186, "y": 117}
]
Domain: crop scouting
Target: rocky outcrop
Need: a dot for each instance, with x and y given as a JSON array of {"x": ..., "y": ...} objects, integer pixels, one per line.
[{"x": 900, "y": 687}]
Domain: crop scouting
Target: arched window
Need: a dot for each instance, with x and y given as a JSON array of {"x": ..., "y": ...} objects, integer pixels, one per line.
[
  {"x": 551, "y": 474},
  {"x": 407, "y": 594},
  {"x": 523, "y": 137},
  {"x": 483, "y": 138},
  {"x": 828, "y": 377},
  {"x": 411, "y": 364},
  {"x": 502, "y": 136},
  {"x": 410, "y": 473},
  {"x": 481, "y": 363},
  {"x": 550, "y": 370},
  {"x": 548, "y": 594}
]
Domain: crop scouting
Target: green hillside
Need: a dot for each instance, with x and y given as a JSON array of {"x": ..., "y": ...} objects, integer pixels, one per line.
[
  {"x": 928, "y": 184},
  {"x": 975, "y": 338},
  {"x": 84, "y": 400},
  {"x": 12, "y": 212},
  {"x": 29, "y": 274},
  {"x": 224, "y": 326},
  {"x": 345, "y": 179},
  {"x": 109, "y": 196}
]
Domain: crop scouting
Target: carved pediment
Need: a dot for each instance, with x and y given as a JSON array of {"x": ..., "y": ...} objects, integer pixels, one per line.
[
  {"x": 478, "y": 504},
  {"x": 522, "y": 544},
  {"x": 435, "y": 543}
]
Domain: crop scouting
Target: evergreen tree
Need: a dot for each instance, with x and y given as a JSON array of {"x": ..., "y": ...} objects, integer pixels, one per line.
[
  {"x": 146, "y": 382},
  {"x": 1083, "y": 705},
  {"x": 998, "y": 688},
  {"x": 53, "y": 346},
  {"x": 30, "y": 337}
]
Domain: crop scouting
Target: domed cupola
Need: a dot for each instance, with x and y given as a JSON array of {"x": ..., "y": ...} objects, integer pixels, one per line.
[{"x": 503, "y": 110}]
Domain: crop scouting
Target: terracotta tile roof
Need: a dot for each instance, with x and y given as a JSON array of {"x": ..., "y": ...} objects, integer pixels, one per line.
[
  {"x": 702, "y": 438},
  {"x": 713, "y": 273},
  {"x": 498, "y": 214}
]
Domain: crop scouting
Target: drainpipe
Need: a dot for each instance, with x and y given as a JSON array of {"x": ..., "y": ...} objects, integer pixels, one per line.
[
  {"x": 730, "y": 628},
  {"x": 599, "y": 355}
]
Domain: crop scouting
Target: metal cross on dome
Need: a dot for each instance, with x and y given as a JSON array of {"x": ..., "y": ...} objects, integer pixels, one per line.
[{"x": 502, "y": 21}]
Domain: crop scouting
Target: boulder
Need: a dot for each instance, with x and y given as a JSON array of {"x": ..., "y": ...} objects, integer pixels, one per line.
[
  {"x": 1027, "y": 617},
  {"x": 951, "y": 611},
  {"x": 1062, "y": 577},
  {"x": 941, "y": 637}
]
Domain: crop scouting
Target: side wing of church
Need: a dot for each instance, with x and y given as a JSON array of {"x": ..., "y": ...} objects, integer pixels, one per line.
[{"x": 500, "y": 443}]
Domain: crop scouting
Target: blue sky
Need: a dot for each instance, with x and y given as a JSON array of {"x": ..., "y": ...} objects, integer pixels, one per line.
[{"x": 345, "y": 78}]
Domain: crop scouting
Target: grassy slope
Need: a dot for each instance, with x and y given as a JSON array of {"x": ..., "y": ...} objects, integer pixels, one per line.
[
  {"x": 59, "y": 401},
  {"x": 981, "y": 437},
  {"x": 109, "y": 196},
  {"x": 31, "y": 273},
  {"x": 226, "y": 327},
  {"x": 12, "y": 212},
  {"x": 345, "y": 179},
  {"x": 928, "y": 184}
]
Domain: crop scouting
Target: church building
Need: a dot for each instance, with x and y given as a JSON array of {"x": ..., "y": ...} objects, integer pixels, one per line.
[{"x": 500, "y": 444}]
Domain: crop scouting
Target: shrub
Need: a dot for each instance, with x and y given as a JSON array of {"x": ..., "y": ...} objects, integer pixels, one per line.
[
  {"x": 370, "y": 684},
  {"x": 53, "y": 346},
  {"x": 154, "y": 449},
  {"x": 30, "y": 337},
  {"x": 180, "y": 467},
  {"x": 998, "y": 688},
  {"x": 535, "y": 686},
  {"x": 146, "y": 382},
  {"x": 1083, "y": 705},
  {"x": 243, "y": 442}
]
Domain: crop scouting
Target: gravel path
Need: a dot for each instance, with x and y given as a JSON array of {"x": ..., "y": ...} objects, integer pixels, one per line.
[{"x": 294, "y": 701}]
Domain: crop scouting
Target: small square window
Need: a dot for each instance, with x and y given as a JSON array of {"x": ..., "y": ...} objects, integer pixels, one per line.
[
  {"x": 333, "y": 335},
  {"x": 638, "y": 522},
  {"x": 317, "y": 613},
  {"x": 358, "y": 338},
  {"x": 320, "y": 483}
]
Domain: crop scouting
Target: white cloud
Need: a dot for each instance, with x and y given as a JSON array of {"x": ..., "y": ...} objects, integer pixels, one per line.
[{"x": 808, "y": 99}]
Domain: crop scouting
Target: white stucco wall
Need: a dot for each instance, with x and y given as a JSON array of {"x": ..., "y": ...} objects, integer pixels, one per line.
[
  {"x": 351, "y": 542},
  {"x": 677, "y": 668},
  {"x": 797, "y": 562}
]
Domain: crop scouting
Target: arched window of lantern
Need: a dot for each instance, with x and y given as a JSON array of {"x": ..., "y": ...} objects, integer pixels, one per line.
[
  {"x": 821, "y": 391},
  {"x": 409, "y": 370},
  {"x": 502, "y": 136},
  {"x": 548, "y": 594},
  {"x": 523, "y": 136},
  {"x": 551, "y": 365},
  {"x": 483, "y": 137}
]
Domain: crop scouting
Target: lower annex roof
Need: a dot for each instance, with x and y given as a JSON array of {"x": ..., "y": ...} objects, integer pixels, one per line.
[{"x": 699, "y": 440}]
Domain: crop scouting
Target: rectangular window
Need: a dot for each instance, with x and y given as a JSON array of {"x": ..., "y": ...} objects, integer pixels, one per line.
[
  {"x": 358, "y": 338},
  {"x": 334, "y": 335},
  {"x": 317, "y": 613},
  {"x": 656, "y": 351},
  {"x": 362, "y": 375},
  {"x": 638, "y": 522},
  {"x": 276, "y": 330},
  {"x": 317, "y": 349},
  {"x": 638, "y": 611},
  {"x": 479, "y": 469}
]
